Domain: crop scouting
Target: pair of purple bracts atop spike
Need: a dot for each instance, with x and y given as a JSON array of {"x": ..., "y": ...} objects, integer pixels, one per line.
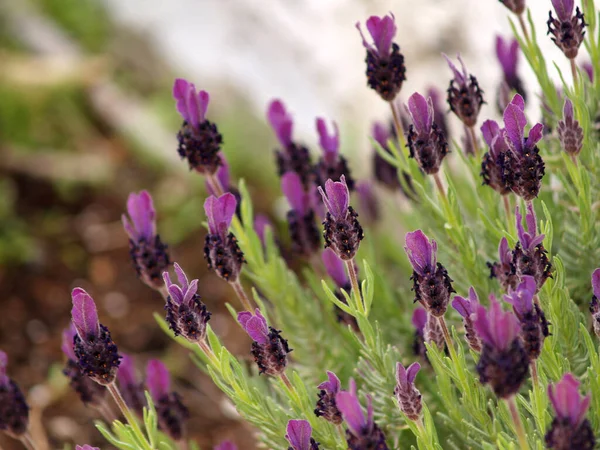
[
  {"x": 528, "y": 258},
  {"x": 465, "y": 97},
  {"x": 298, "y": 434},
  {"x": 407, "y": 395},
  {"x": 199, "y": 139},
  {"x": 385, "y": 64},
  {"x": 513, "y": 162},
  {"x": 467, "y": 307},
  {"x": 14, "y": 411},
  {"x": 570, "y": 429},
  {"x": 567, "y": 29}
]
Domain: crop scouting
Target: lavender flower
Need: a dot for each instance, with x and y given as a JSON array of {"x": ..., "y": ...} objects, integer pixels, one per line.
[
  {"x": 508, "y": 56},
  {"x": 493, "y": 162},
  {"x": 368, "y": 201},
  {"x": 464, "y": 95},
  {"x": 221, "y": 249},
  {"x": 504, "y": 363},
  {"x": 132, "y": 389},
  {"x": 299, "y": 436},
  {"x": 534, "y": 327},
  {"x": 14, "y": 412},
  {"x": 431, "y": 282},
  {"x": 269, "y": 348},
  {"x": 426, "y": 142},
  {"x": 408, "y": 396},
  {"x": 186, "y": 314},
  {"x": 199, "y": 139},
  {"x": 516, "y": 6},
  {"x": 148, "y": 253},
  {"x": 172, "y": 413},
  {"x": 570, "y": 132},
  {"x": 595, "y": 303},
  {"x": 95, "y": 352},
  {"x": 362, "y": 432},
  {"x": 226, "y": 445},
  {"x": 504, "y": 270},
  {"x": 304, "y": 233},
  {"x": 291, "y": 157},
  {"x": 342, "y": 231},
  {"x": 385, "y": 64},
  {"x": 419, "y": 320},
  {"x": 466, "y": 307},
  {"x": 530, "y": 256},
  {"x": 326, "y": 405},
  {"x": 567, "y": 30},
  {"x": 90, "y": 393},
  {"x": 331, "y": 164},
  {"x": 570, "y": 429}
]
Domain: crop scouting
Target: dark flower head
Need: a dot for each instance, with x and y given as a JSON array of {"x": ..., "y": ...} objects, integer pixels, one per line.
[
  {"x": 326, "y": 404},
  {"x": 385, "y": 64},
  {"x": 299, "y": 435},
  {"x": 269, "y": 348},
  {"x": 504, "y": 362},
  {"x": 191, "y": 105},
  {"x": 336, "y": 268},
  {"x": 132, "y": 389},
  {"x": 172, "y": 413},
  {"x": 570, "y": 132},
  {"x": 199, "y": 139},
  {"x": 342, "y": 232},
  {"x": 492, "y": 166},
  {"x": 567, "y": 30},
  {"x": 226, "y": 445},
  {"x": 464, "y": 95},
  {"x": 467, "y": 307},
  {"x": 148, "y": 253},
  {"x": 368, "y": 201},
  {"x": 281, "y": 122},
  {"x": 516, "y": 6},
  {"x": 186, "y": 314},
  {"x": 221, "y": 249},
  {"x": 426, "y": 142},
  {"x": 408, "y": 396},
  {"x": 96, "y": 353},
  {"x": 569, "y": 429},
  {"x": 362, "y": 430},
  {"x": 14, "y": 411}
]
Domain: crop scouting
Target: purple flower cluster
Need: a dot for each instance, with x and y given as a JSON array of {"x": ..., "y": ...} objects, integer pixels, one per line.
[
  {"x": 465, "y": 97},
  {"x": 14, "y": 411},
  {"x": 567, "y": 29}
]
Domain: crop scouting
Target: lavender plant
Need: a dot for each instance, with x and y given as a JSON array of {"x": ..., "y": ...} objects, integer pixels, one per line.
[{"x": 484, "y": 374}]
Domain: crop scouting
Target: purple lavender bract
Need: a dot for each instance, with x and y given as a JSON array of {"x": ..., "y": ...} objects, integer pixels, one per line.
[
  {"x": 96, "y": 353},
  {"x": 570, "y": 430},
  {"x": 331, "y": 164},
  {"x": 326, "y": 405},
  {"x": 132, "y": 389},
  {"x": 221, "y": 249},
  {"x": 269, "y": 348},
  {"x": 304, "y": 232},
  {"x": 464, "y": 95},
  {"x": 431, "y": 282},
  {"x": 507, "y": 53},
  {"x": 504, "y": 270},
  {"x": 186, "y": 314},
  {"x": 567, "y": 30},
  {"x": 426, "y": 142},
  {"x": 342, "y": 231},
  {"x": 466, "y": 308},
  {"x": 14, "y": 412},
  {"x": 148, "y": 253},
  {"x": 172, "y": 413},
  {"x": 408, "y": 396},
  {"x": 199, "y": 139},
  {"x": 385, "y": 64},
  {"x": 299, "y": 435}
]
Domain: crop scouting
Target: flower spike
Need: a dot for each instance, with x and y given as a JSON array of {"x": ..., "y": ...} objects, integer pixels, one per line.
[
  {"x": 570, "y": 132},
  {"x": 466, "y": 307},
  {"x": 326, "y": 405},
  {"x": 464, "y": 95},
  {"x": 408, "y": 396},
  {"x": 567, "y": 30}
]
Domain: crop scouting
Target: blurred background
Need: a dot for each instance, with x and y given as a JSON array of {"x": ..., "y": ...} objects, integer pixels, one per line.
[{"x": 86, "y": 116}]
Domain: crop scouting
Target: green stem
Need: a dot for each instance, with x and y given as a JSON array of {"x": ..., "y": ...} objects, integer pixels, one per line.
[
  {"x": 516, "y": 417},
  {"x": 209, "y": 353},
  {"x": 448, "y": 339},
  {"x": 116, "y": 395},
  {"x": 474, "y": 141},
  {"x": 239, "y": 290},
  {"x": 355, "y": 287},
  {"x": 440, "y": 186}
]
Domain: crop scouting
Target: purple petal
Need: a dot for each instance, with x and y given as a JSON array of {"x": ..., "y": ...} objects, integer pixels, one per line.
[
  {"x": 281, "y": 122},
  {"x": 531, "y": 220},
  {"x": 365, "y": 43},
  {"x": 411, "y": 372},
  {"x": 381, "y": 134},
  {"x": 419, "y": 318},
  {"x": 567, "y": 401},
  {"x": 67, "y": 342},
  {"x": 522, "y": 297},
  {"x": 421, "y": 112},
  {"x": 401, "y": 376},
  {"x": 382, "y": 31},
  {"x": 589, "y": 70},
  {"x": 349, "y": 406},
  {"x": 142, "y": 213},
  {"x": 490, "y": 130},
  {"x": 460, "y": 78},
  {"x": 126, "y": 374},
  {"x": 524, "y": 237},
  {"x": 337, "y": 198},
  {"x": 219, "y": 213},
  {"x": 462, "y": 306},
  {"x": 158, "y": 379},
  {"x": 226, "y": 445},
  {"x": 3, "y": 366},
  {"x": 564, "y": 9},
  {"x": 298, "y": 434},
  {"x": 261, "y": 223},
  {"x": 335, "y": 267},
  {"x": 332, "y": 385},
  {"x": 535, "y": 135},
  {"x": 507, "y": 53},
  {"x": 255, "y": 325},
  {"x": 293, "y": 189},
  {"x": 243, "y": 318},
  {"x": 515, "y": 121},
  {"x": 504, "y": 252},
  {"x": 180, "y": 91},
  {"x": 84, "y": 314},
  {"x": 182, "y": 277},
  {"x": 495, "y": 327},
  {"x": 420, "y": 251},
  {"x": 568, "y": 110},
  {"x": 596, "y": 283},
  {"x": 329, "y": 143},
  {"x": 222, "y": 175}
]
